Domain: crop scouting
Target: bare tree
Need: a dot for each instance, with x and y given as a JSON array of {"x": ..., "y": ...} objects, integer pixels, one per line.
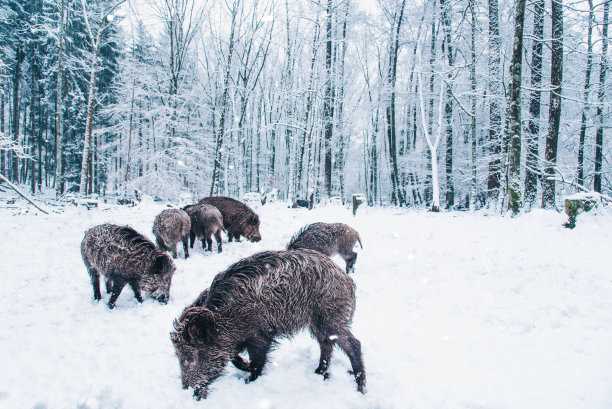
[
  {"x": 95, "y": 41},
  {"x": 533, "y": 127},
  {"x": 554, "y": 113},
  {"x": 587, "y": 89},
  {"x": 220, "y": 133},
  {"x": 513, "y": 120},
  {"x": 396, "y": 195},
  {"x": 496, "y": 92},
  {"x": 600, "y": 99}
]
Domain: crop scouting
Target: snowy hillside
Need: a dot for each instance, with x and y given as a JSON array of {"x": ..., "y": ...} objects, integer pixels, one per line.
[{"x": 454, "y": 310}]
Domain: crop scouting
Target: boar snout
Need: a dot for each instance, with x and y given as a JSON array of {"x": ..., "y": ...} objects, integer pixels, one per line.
[{"x": 200, "y": 392}]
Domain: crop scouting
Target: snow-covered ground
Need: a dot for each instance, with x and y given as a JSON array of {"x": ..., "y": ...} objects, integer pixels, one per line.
[{"x": 454, "y": 310}]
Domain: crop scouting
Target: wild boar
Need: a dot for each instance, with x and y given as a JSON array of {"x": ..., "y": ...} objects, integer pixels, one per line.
[
  {"x": 170, "y": 227},
  {"x": 206, "y": 220},
  {"x": 259, "y": 299},
  {"x": 300, "y": 203},
  {"x": 329, "y": 239},
  {"x": 238, "y": 218},
  {"x": 124, "y": 256}
]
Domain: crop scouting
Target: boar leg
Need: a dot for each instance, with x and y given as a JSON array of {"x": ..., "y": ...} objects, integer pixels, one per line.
[
  {"x": 327, "y": 347},
  {"x": 174, "y": 251},
  {"x": 136, "y": 289},
  {"x": 95, "y": 283},
  {"x": 186, "y": 246},
  {"x": 241, "y": 364},
  {"x": 192, "y": 238},
  {"x": 219, "y": 240},
  {"x": 209, "y": 243},
  {"x": 258, "y": 348},
  {"x": 117, "y": 287},
  {"x": 109, "y": 286},
  {"x": 352, "y": 347}
]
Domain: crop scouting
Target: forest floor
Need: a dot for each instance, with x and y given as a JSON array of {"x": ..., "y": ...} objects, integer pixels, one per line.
[{"x": 454, "y": 310}]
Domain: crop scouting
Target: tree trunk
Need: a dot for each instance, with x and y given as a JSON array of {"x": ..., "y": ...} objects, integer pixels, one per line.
[
  {"x": 328, "y": 104},
  {"x": 344, "y": 138},
  {"x": 308, "y": 108},
  {"x": 86, "y": 156},
  {"x": 396, "y": 194},
  {"x": 3, "y": 156},
  {"x": 496, "y": 92},
  {"x": 600, "y": 97},
  {"x": 513, "y": 121},
  {"x": 473, "y": 192},
  {"x": 448, "y": 109},
  {"x": 214, "y": 188},
  {"x": 59, "y": 116},
  {"x": 33, "y": 128},
  {"x": 19, "y": 56},
  {"x": 533, "y": 127},
  {"x": 129, "y": 152},
  {"x": 432, "y": 61},
  {"x": 554, "y": 116},
  {"x": 587, "y": 86}
]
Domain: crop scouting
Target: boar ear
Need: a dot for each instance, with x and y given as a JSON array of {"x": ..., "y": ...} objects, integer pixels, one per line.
[
  {"x": 199, "y": 325},
  {"x": 162, "y": 263},
  {"x": 254, "y": 220}
]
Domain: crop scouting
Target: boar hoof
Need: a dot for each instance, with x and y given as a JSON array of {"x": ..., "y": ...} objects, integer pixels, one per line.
[
  {"x": 361, "y": 382},
  {"x": 324, "y": 374},
  {"x": 111, "y": 306},
  {"x": 200, "y": 392}
]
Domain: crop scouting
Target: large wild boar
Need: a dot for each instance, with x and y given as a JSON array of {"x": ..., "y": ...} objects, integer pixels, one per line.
[
  {"x": 238, "y": 218},
  {"x": 206, "y": 221},
  {"x": 329, "y": 239},
  {"x": 259, "y": 299},
  {"x": 170, "y": 227},
  {"x": 124, "y": 256}
]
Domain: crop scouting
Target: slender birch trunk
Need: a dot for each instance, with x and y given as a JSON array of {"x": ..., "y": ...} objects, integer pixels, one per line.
[{"x": 474, "y": 184}]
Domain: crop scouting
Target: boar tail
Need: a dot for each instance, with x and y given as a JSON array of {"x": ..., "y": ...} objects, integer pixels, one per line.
[{"x": 359, "y": 240}]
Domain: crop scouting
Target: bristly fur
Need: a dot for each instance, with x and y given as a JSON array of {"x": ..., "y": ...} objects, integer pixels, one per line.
[
  {"x": 238, "y": 218},
  {"x": 329, "y": 239},
  {"x": 170, "y": 227},
  {"x": 124, "y": 256},
  {"x": 259, "y": 299},
  {"x": 206, "y": 221}
]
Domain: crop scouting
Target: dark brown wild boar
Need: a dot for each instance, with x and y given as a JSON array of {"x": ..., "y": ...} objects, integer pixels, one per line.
[
  {"x": 124, "y": 256},
  {"x": 170, "y": 227},
  {"x": 259, "y": 299},
  {"x": 238, "y": 218},
  {"x": 206, "y": 221},
  {"x": 329, "y": 239}
]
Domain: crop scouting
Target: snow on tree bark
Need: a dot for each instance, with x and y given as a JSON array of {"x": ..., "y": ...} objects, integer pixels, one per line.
[{"x": 554, "y": 115}]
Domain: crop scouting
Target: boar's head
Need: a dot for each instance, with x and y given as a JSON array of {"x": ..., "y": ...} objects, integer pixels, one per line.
[
  {"x": 201, "y": 358},
  {"x": 251, "y": 230},
  {"x": 158, "y": 281}
]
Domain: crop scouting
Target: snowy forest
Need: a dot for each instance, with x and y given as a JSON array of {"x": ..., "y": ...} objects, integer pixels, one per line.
[{"x": 442, "y": 104}]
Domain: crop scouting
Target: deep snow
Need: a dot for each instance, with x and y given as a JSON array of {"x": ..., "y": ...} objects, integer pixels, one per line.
[{"x": 454, "y": 310}]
